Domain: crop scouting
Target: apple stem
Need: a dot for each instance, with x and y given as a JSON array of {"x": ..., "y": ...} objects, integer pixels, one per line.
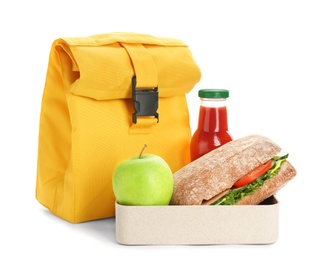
[{"x": 144, "y": 147}]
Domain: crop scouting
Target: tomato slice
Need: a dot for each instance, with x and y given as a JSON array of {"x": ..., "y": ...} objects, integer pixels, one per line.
[{"x": 253, "y": 175}]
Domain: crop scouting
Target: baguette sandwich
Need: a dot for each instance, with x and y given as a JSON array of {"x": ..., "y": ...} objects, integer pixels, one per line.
[{"x": 245, "y": 171}]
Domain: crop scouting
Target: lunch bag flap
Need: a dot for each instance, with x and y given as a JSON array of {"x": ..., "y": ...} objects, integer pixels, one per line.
[{"x": 105, "y": 65}]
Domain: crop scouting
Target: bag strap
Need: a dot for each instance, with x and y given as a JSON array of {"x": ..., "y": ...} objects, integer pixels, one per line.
[
  {"x": 146, "y": 77},
  {"x": 144, "y": 68}
]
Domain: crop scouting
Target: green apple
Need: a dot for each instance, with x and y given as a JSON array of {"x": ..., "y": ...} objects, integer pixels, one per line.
[{"x": 144, "y": 180}]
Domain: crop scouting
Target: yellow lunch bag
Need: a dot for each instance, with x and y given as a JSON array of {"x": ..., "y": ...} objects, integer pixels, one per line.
[{"x": 105, "y": 96}]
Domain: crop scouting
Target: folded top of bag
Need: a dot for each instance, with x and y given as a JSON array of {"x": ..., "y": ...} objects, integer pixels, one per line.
[
  {"x": 124, "y": 37},
  {"x": 102, "y": 66}
]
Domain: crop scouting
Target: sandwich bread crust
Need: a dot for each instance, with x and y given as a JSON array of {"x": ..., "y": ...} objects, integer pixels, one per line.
[
  {"x": 270, "y": 187},
  {"x": 219, "y": 169}
]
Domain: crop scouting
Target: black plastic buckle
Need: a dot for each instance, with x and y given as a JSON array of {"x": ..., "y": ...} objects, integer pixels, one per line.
[{"x": 145, "y": 101}]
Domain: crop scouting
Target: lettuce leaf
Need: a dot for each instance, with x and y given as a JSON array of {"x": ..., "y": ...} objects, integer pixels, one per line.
[{"x": 234, "y": 195}]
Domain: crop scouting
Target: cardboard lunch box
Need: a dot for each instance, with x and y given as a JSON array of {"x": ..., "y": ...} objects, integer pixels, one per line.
[{"x": 190, "y": 225}]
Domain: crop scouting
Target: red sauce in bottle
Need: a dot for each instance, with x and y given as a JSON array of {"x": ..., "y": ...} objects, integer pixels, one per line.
[{"x": 212, "y": 129}]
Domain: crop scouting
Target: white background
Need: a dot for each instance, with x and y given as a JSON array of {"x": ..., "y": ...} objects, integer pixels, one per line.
[{"x": 267, "y": 53}]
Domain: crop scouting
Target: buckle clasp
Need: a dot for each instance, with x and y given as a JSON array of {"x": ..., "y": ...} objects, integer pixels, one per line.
[{"x": 145, "y": 101}]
